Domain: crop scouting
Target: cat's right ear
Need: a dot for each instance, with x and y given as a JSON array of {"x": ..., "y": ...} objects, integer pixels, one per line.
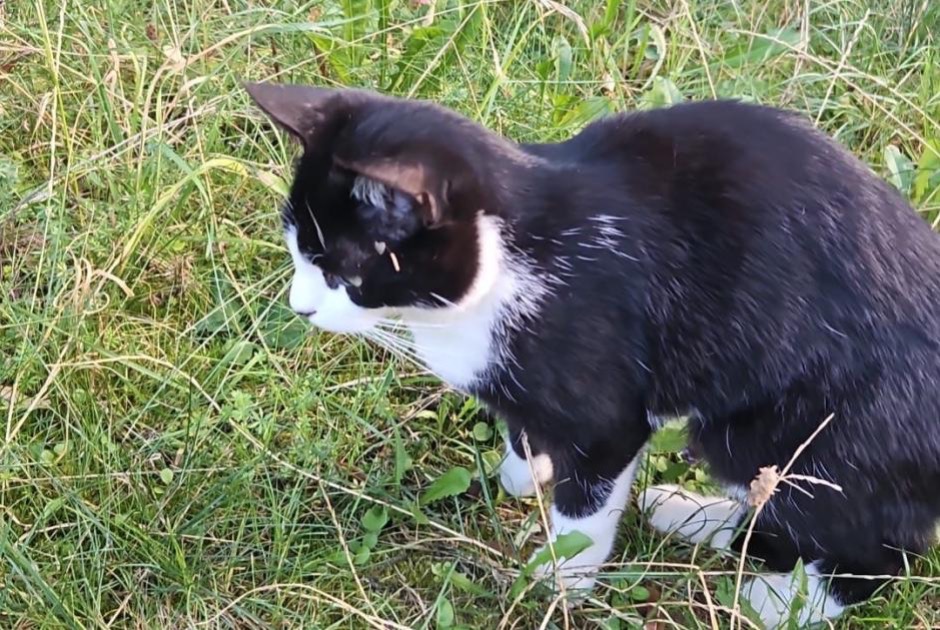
[{"x": 299, "y": 110}]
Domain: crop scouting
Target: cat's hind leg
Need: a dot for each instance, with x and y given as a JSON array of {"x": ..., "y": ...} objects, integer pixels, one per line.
[
  {"x": 774, "y": 596},
  {"x": 693, "y": 517},
  {"x": 830, "y": 586}
]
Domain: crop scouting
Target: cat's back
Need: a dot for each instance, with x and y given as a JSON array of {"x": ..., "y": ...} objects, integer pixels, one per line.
[
  {"x": 743, "y": 174},
  {"x": 757, "y": 227},
  {"x": 726, "y": 141}
]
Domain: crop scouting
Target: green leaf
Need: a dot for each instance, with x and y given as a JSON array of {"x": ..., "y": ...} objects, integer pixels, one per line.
[
  {"x": 670, "y": 439},
  {"x": 900, "y": 167},
  {"x": 403, "y": 461},
  {"x": 543, "y": 69},
  {"x": 663, "y": 92},
  {"x": 799, "y": 579},
  {"x": 566, "y": 546},
  {"x": 375, "y": 518},
  {"x": 274, "y": 182},
  {"x": 281, "y": 329},
  {"x": 761, "y": 49},
  {"x": 482, "y": 432},
  {"x": 418, "y": 515},
  {"x": 166, "y": 476},
  {"x": 418, "y": 49},
  {"x": 445, "y": 613},
  {"x": 52, "y": 507},
  {"x": 362, "y": 555},
  {"x": 928, "y": 171},
  {"x": 674, "y": 470},
  {"x": 227, "y": 316},
  {"x": 370, "y": 540},
  {"x": 639, "y": 593},
  {"x": 604, "y": 24},
  {"x": 451, "y": 483},
  {"x": 239, "y": 353},
  {"x": 563, "y": 58},
  {"x": 586, "y": 110},
  {"x": 464, "y": 583}
]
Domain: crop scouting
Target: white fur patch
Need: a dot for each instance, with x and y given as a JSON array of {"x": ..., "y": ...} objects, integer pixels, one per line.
[
  {"x": 326, "y": 308},
  {"x": 772, "y": 596},
  {"x": 580, "y": 572},
  {"x": 369, "y": 190},
  {"x": 460, "y": 342},
  {"x": 515, "y": 475},
  {"x": 693, "y": 517}
]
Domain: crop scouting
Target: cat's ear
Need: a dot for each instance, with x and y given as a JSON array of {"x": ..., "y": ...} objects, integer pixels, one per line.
[
  {"x": 297, "y": 109},
  {"x": 428, "y": 185}
]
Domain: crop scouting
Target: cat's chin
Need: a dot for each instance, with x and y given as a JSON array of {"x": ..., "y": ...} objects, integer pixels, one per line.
[{"x": 350, "y": 322}]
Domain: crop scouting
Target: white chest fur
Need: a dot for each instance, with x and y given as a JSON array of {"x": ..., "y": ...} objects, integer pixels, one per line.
[
  {"x": 462, "y": 341},
  {"x": 458, "y": 354}
]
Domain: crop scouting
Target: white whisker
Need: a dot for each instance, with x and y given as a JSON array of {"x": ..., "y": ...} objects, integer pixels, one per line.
[
  {"x": 399, "y": 347},
  {"x": 407, "y": 325},
  {"x": 317, "y": 226},
  {"x": 390, "y": 346}
]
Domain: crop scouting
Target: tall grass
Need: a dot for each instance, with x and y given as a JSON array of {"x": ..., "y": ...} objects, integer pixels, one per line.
[{"x": 178, "y": 451}]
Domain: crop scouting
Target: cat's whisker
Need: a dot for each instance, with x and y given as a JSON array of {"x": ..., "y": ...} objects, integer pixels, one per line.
[
  {"x": 401, "y": 344},
  {"x": 408, "y": 348},
  {"x": 405, "y": 324},
  {"x": 388, "y": 346},
  {"x": 404, "y": 336},
  {"x": 317, "y": 226},
  {"x": 393, "y": 344}
]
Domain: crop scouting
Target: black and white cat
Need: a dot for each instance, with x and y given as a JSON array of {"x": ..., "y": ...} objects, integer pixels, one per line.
[{"x": 715, "y": 260}]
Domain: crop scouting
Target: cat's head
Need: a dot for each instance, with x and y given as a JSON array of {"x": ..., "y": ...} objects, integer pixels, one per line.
[{"x": 392, "y": 207}]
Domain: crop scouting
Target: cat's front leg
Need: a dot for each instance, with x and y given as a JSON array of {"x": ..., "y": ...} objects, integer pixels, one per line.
[
  {"x": 591, "y": 493},
  {"x": 518, "y": 475}
]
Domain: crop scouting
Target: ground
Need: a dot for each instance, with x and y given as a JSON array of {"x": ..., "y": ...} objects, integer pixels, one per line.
[{"x": 178, "y": 451}]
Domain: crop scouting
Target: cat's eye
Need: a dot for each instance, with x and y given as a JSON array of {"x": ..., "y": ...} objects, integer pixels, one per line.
[
  {"x": 335, "y": 281},
  {"x": 331, "y": 279}
]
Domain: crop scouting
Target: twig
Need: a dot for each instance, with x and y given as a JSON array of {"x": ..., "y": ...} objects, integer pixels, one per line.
[
  {"x": 546, "y": 522},
  {"x": 762, "y": 490}
]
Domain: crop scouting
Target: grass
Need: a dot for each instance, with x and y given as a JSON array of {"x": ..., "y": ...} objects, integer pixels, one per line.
[{"x": 177, "y": 451}]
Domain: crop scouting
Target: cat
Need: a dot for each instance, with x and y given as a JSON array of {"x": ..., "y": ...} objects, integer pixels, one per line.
[{"x": 715, "y": 260}]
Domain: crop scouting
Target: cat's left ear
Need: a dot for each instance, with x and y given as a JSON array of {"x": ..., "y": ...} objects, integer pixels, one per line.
[
  {"x": 417, "y": 177},
  {"x": 300, "y": 110}
]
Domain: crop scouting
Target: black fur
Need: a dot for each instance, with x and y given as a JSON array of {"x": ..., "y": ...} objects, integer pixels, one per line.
[
  {"x": 778, "y": 281},
  {"x": 762, "y": 280}
]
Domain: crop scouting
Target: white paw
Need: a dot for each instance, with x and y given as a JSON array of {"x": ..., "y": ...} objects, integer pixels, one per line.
[
  {"x": 516, "y": 476},
  {"x": 694, "y": 517},
  {"x": 772, "y": 597},
  {"x": 579, "y": 573}
]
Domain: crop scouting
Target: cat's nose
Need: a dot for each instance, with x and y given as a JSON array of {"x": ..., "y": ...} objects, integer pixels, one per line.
[{"x": 306, "y": 293}]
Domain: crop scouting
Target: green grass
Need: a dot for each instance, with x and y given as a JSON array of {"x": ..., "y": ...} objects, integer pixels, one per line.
[{"x": 177, "y": 451}]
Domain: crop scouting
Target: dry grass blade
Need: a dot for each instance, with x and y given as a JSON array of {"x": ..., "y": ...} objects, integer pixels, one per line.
[{"x": 163, "y": 408}]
